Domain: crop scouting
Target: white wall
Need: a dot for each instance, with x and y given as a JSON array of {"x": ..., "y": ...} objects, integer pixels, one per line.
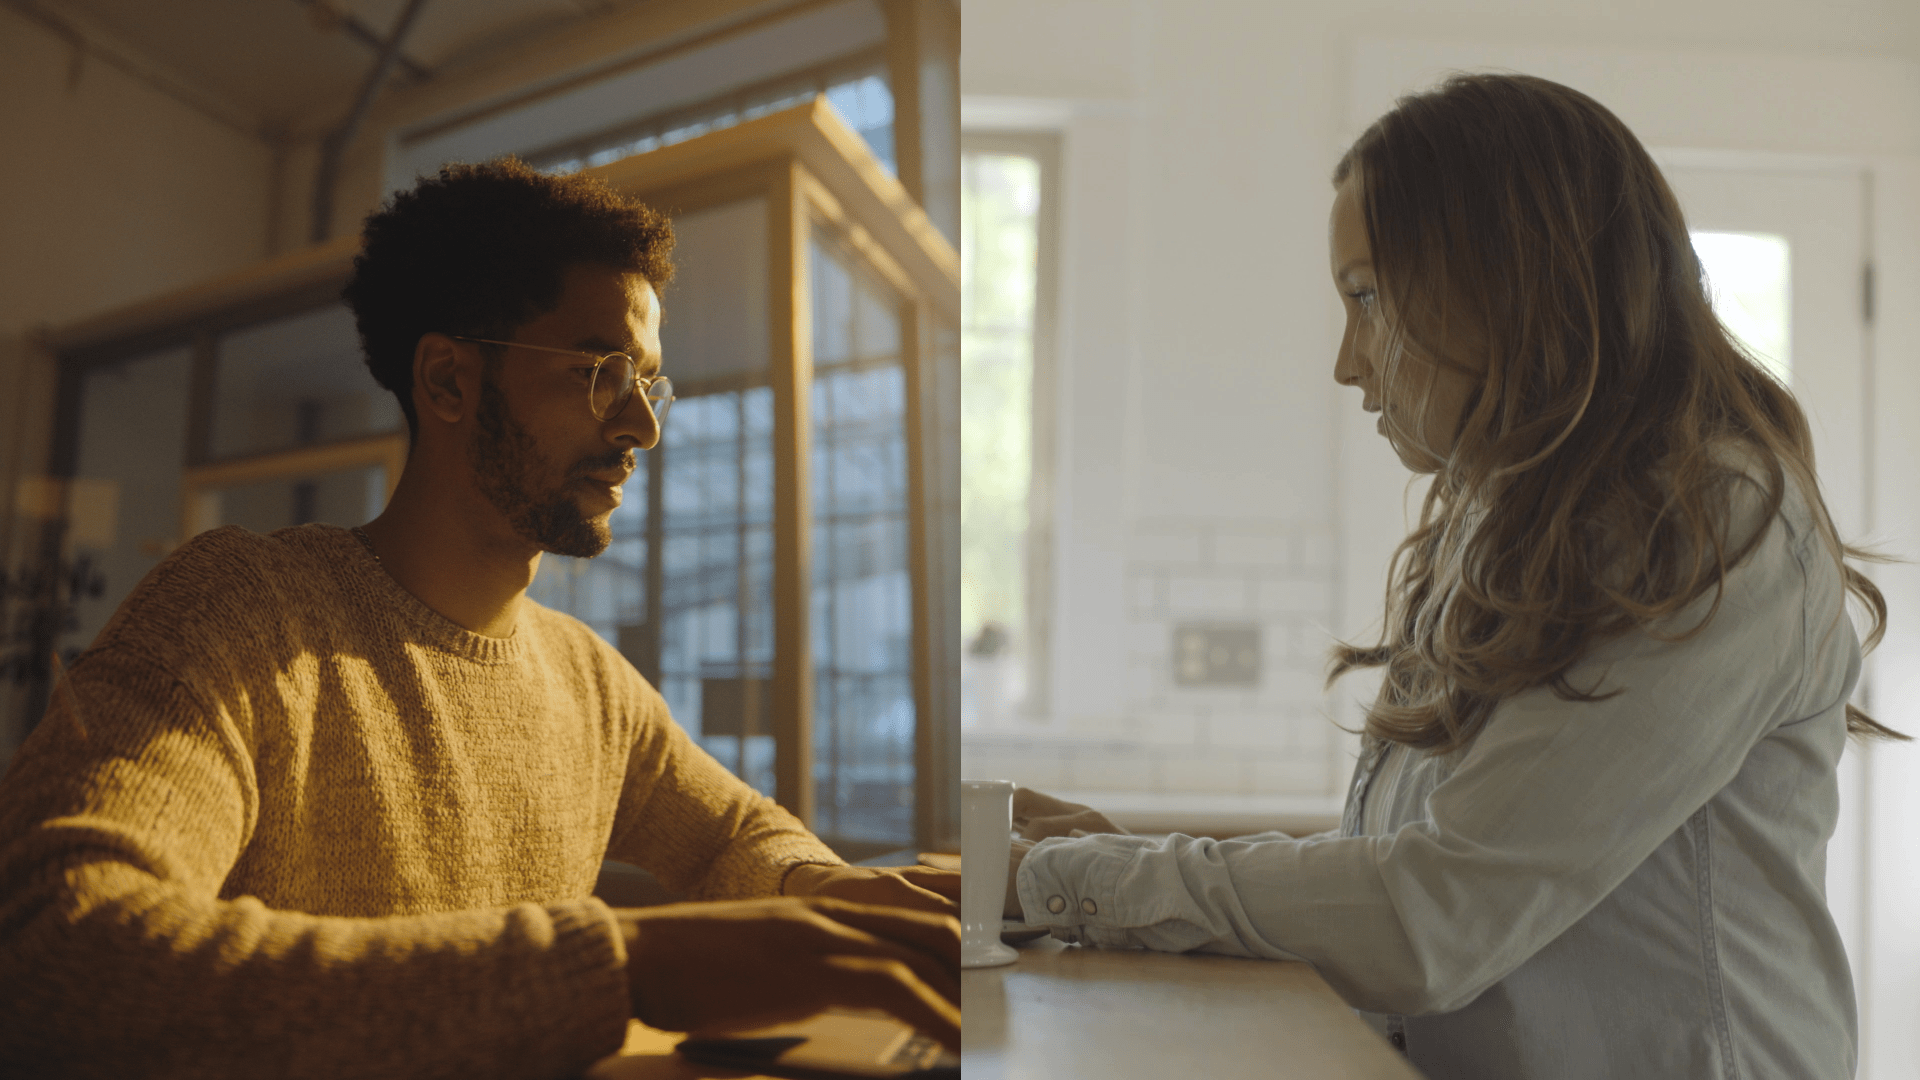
[
  {"x": 1194, "y": 476},
  {"x": 1197, "y": 140}
]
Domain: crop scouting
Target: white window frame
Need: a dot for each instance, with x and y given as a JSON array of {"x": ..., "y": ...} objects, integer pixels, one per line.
[{"x": 1044, "y": 146}]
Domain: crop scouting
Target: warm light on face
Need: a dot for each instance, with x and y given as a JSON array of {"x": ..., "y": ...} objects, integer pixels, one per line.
[{"x": 539, "y": 454}]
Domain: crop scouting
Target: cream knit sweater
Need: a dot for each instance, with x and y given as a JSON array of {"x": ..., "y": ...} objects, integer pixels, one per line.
[{"x": 285, "y": 820}]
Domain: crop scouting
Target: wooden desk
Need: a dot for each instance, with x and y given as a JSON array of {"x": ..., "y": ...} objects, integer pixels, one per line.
[{"x": 1065, "y": 1012}]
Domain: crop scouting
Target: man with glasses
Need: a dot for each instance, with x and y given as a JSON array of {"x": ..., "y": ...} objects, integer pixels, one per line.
[{"x": 331, "y": 802}]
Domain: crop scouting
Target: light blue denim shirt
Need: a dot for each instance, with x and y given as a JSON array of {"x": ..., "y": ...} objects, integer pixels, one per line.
[{"x": 1632, "y": 887}]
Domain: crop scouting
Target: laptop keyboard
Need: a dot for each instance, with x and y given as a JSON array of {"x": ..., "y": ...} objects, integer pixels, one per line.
[{"x": 918, "y": 1050}]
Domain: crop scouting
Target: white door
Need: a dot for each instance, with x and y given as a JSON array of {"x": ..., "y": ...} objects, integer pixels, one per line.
[{"x": 1819, "y": 216}]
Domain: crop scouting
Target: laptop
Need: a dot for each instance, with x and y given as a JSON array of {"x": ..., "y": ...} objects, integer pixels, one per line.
[{"x": 837, "y": 1043}]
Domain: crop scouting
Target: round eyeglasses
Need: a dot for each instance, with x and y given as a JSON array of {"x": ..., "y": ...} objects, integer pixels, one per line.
[{"x": 615, "y": 377}]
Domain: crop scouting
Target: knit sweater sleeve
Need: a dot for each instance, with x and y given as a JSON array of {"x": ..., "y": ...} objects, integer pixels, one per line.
[
  {"x": 699, "y": 828},
  {"x": 121, "y": 817}
]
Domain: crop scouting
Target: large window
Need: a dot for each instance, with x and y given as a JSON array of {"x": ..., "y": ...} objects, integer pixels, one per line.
[
  {"x": 263, "y": 424},
  {"x": 1006, "y": 505},
  {"x": 862, "y": 592},
  {"x": 134, "y": 498}
]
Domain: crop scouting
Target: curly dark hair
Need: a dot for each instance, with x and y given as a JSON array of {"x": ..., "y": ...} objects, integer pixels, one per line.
[{"x": 481, "y": 250}]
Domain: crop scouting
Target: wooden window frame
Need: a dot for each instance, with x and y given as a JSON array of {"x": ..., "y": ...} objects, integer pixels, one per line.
[
  {"x": 1044, "y": 148},
  {"x": 388, "y": 450}
]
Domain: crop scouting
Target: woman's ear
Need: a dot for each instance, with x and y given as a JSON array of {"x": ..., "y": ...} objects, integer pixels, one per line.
[{"x": 444, "y": 385}]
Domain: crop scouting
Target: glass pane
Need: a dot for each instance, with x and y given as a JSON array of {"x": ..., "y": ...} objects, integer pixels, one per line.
[
  {"x": 346, "y": 497},
  {"x": 866, "y": 104},
  {"x": 1750, "y": 277},
  {"x": 710, "y": 651},
  {"x": 999, "y": 240},
  {"x": 124, "y": 508},
  {"x": 296, "y": 381},
  {"x": 852, "y": 321},
  {"x": 716, "y": 644},
  {"x": 715, "y": 312},
  {"x": 862, "y": 601}
]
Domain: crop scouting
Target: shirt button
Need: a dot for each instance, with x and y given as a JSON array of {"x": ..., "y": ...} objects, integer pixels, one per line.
[
  {"x": 1399, "y": 1040},
  {"x": 1056, "y": 904},
  {"x": 1089, "y": 906}
]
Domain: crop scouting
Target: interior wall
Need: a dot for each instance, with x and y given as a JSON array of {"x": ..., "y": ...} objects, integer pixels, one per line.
[
  {"x": 1195, "y": 473},
  {"x": 113, "y": 191}
]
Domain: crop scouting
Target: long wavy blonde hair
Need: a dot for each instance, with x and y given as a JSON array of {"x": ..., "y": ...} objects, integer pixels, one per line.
[{"x": 1587, "y": 490}]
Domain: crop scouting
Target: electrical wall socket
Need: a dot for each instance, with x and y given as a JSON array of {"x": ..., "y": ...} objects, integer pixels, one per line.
[{"x": 1216, "y": 654}]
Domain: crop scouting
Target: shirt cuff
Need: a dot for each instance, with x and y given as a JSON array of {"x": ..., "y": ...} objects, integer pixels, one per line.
[{"x": 1070, "y": 886}]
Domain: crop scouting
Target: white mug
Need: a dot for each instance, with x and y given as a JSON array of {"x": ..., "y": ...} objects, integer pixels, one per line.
[{"x": 986, "y": 840}]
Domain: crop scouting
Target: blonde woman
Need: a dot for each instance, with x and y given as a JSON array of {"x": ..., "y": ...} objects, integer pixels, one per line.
[{"x": 1586, "y": 836}]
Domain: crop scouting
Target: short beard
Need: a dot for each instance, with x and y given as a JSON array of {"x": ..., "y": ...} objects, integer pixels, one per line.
[{"x": 508, "y": 468}]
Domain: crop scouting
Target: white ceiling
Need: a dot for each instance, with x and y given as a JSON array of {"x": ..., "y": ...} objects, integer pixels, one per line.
[{"x": 270, "y": 64}]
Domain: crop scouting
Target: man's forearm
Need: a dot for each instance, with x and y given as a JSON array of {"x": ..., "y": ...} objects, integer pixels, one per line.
[
  {"x": 800, "y": 876},
  {"x": 121, "y": 974}
]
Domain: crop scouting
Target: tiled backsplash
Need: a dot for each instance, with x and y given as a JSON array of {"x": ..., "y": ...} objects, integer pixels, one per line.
[{"x": 1272, "y": 738}]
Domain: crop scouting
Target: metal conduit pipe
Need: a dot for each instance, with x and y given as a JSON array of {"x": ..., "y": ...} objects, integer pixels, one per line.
[
  {"x": 334, "y": 146},
  {"x": 328, "y": 17}
]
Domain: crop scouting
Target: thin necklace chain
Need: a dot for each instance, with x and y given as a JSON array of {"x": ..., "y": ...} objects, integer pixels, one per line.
[{"x": 366, "y": 541}]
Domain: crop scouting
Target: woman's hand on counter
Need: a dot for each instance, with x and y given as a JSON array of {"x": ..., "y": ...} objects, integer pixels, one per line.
[{"x": 1037, "y": 816}]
